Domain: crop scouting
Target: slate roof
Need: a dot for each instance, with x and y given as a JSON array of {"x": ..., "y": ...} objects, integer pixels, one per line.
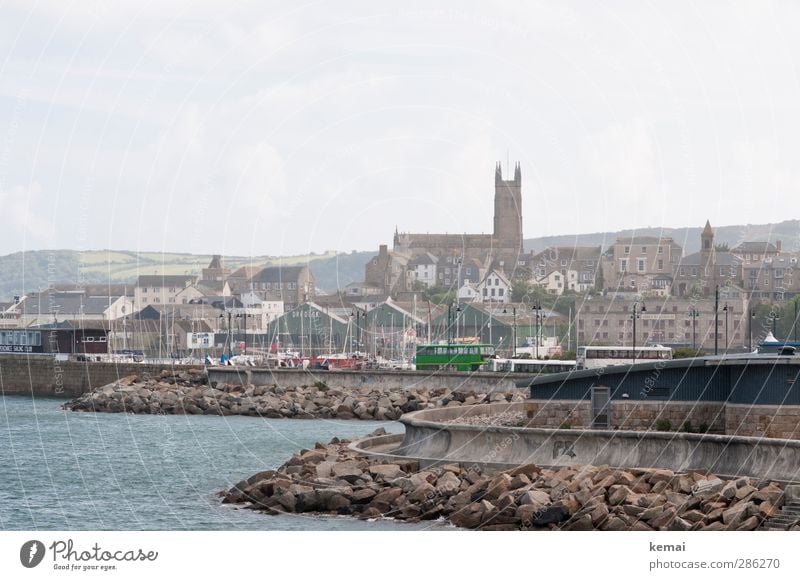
[
  {"x": 172, "y": 280},
  {"x": 279, "y": 274}
]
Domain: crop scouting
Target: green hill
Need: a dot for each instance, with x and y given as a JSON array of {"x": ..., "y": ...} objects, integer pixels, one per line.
[
  {"x": 34, "y": 270},
  {"x": 29, "y": 271}
]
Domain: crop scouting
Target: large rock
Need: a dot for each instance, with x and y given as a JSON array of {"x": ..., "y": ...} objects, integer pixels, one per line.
[
  {"x": 771, "y": 493},
  {"x": 448, "y": 483},
  {"x": 386, "y": 471},
  {"x": 534, "y": 497},
  {"x": 707, "y": 487},
  {"x": 733, "y": 516}
]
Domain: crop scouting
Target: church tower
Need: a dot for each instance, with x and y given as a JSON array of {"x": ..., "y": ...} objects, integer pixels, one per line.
[
  {"x": 707, "y": 246},
  {"x": 508, "y": 210}
]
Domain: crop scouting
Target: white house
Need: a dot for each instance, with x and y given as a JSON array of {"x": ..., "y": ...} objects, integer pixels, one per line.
[
  {"x": 556, "y": 281},
  {"x": 494, "y": 287},
  {"x": 422, "y": 269},
  {"x": 468, "y": 293}
]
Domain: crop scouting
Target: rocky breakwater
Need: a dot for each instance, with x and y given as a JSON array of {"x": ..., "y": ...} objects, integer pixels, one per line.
[
  {"x": 189, "y": 393},
  {"x": 332, "y": 479}
]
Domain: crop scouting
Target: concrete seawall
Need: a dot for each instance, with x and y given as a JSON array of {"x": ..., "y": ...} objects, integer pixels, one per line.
[
  {"x": 384, "y": 379},
  {"x": 428, "y": 437},
  {"x": 42, "y": 375}
]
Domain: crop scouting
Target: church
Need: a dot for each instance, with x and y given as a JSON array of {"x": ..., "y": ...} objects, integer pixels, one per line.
[{"x": 395, "y": 271}]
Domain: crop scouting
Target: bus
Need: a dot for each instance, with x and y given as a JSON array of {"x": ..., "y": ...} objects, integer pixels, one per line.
[
  {"x": 592, "y": 357},
  {"x": 458, "y": 357},
  {"x": 532, "y": 366}
]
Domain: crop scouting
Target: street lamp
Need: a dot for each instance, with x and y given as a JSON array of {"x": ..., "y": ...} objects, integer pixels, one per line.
[
  {"x": 750, "y": 330},
  {"x": 726, "y": 309},
  {"x": 636, "y": 313},
  {"x": 539, "y": 317},
  {"x": 450, "y": 316},
  {"x": 243, "y": 316},
  {"x": 513, "y": 329},
  {"x": 773, "y": 316},
  {"x": 693, "y": 314},
  {"x": 230, "y": 339}
]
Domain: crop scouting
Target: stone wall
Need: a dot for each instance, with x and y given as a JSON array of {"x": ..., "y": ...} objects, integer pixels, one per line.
[
  {"x": 782, "y": 421},
  {"x": 43, "y": 375},
  {"x": 643, "y": 415},
  {"x": 640, "y": 415},
  {"x": 558, "y": 414},
  {"x": 383, "y": 380}
]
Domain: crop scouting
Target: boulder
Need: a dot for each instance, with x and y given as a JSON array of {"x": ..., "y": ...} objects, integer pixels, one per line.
[
  {"x": 422, "y": 492},
  {"x": 750, "y": 523},
  {"x": 534, "y": 497},
  {"x": 745, "y": 491},
  {"x": 707, "y": 487},
  {"x": 733, "y": 516},
  {"x": 386, "y": 471},
  {"x": 448, "y": 483},
  {"x": 771, "y": 493}
]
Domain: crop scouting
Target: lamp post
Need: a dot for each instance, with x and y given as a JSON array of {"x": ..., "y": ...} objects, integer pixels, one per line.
[
  {"x": 726, "y": 309},
  {"x": 539, "y": 319},
  {"x": 693, "y": 314},
  {"x": 773, "y": 316},
  {"x": 716, "y": 320},
  {"x": 222, "y": 318},
  {"x": 750, "y": 330},
  {"x": 637, "y": 313},
  {"x": 513, "y": 330},
  {"x": 243, "y": 316}
]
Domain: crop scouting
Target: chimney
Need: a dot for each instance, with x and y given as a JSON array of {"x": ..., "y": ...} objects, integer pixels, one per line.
[
  {"x": 778, "y": 245},
  {"x": 383, "y": 249}
]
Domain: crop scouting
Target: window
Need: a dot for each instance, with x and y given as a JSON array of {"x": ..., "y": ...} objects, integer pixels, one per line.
[
  {"x": 660, "y": 264},
  {"x": 640, "y": 264},
  {"x": 623, "y": 265},
  {"x": 627, "y": 249},
  {"x": 660, "y": 249},
  {"x": 644, "y": 249},
  {"x": 144, "y": 290},
  {"x": 633, "y": 283},
  {"x": 500, "y": 292}
]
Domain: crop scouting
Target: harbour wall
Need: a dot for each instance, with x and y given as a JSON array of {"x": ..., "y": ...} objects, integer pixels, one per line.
[
  {"x": 44, "y": 376},
  {"x": 430, "y": 437},
  {"x": 382, "y": 379}
]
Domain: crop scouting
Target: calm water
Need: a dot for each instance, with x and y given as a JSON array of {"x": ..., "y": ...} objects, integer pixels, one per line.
[{"x": 84, "y": 471}]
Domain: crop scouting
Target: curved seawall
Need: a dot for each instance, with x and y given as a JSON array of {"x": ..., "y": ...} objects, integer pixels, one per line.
[{"x": 431, "y": 437}]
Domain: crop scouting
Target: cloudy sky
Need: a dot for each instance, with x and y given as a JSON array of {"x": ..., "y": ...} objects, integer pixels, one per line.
[{"x": 287, "y": 127}]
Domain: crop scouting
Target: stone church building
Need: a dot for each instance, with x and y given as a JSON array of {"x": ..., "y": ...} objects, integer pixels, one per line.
[{"x": 500, "y": 250}]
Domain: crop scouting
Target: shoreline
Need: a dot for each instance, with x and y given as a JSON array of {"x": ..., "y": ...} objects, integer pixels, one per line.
[
  {"x": 332, "y": 479},
  {"x": 189, "y": 393}
]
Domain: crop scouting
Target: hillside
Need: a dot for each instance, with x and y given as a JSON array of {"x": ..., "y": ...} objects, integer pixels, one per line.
[
  {"x": 787, "y": 231},
  {"x": 29, "y": 271}
]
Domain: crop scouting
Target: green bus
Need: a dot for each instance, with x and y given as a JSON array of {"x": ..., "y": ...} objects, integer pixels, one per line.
[{"x": 458, "y": 357}]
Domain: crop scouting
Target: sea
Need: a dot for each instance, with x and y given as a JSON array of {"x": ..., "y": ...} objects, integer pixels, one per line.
[{"x": 62, "y": 470}]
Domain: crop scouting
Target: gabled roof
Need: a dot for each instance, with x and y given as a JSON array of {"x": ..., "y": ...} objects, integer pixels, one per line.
[
  {"x": 498, "y": 273},
  {"x": 425, "y": 259},
  {"x": 755, "y": 248},
  {"x": 172, "y": 280},
  {"x": 279, "y": 274},
  {"x": 720, "y": 259}
]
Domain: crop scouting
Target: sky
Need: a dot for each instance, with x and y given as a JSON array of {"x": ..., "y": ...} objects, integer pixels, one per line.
[{"x": 282, "y": 128}]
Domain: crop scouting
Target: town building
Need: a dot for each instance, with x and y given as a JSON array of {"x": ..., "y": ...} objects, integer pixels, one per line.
[
  {"x": 163, "y": 289},
  {"x": 293, "y": 285},
  {"x": 584, "y": 261},
  {"x": 640, "y": 264}
]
